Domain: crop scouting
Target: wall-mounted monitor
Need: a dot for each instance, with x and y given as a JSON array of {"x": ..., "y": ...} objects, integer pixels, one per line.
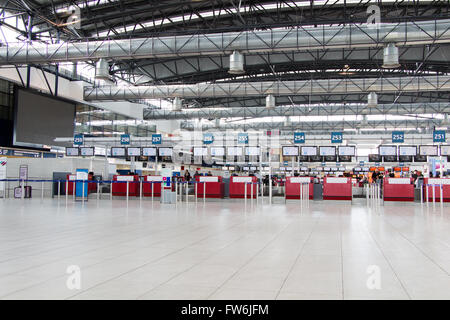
[
  {"x": 253, "y": 168},
  {"x": 87, "y": 151},
  {"x": 101, "y": 151},
  {"x": 407, "y": 150},
  {"x": 428, "y": 150},
  {"x": 330, "y": 158},
  {"x": 327, "y": 151},
  {"x": 390, "y": 158},
  {"x": 252, "y": 151},
  {"x": 200, "y": 151},
  {"x": 290, "y": 151},
  {"x": 366, "y": 169},
  {"x": 420, "y": 158},
  {"x": 315, "y": 158},
  {"x": 117, "y": 152},
  {"x": 341, "y": 169},
  {"x": 288, "y": 168},
  {"x": 304, "y": 169},
  {"x": 231, "y": 168},
  {"x": 217, "y": 151},
  {"x": 326, "y": 169},
  {"x": 234, "y": 151},
  {"x": 334, "y": 169},
  {"x": 387, "y": 150},
  {"x": 72, "y": 152},
  {"x": 309, "y": 151},
  {"x": 149, "y": 151},
  {"x": 445, "y": 150},
  {"x": 165, "y": 152},
  {"x": 347, "y": 151},
  {"x": 405, "y": 158},
  {"x": 303, "y": 158},
  {"x": 357, "y": 169},
  {"x": 345, "y": 158},
  {"x": 133, "y": 152},
  {"x": 375, "y": 157}
]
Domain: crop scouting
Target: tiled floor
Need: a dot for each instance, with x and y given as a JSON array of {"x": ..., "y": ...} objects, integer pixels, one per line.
[{"x": 223, "y": 250}]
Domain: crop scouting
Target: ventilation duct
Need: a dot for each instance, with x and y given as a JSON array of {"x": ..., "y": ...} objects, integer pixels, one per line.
[
  {"x": 390, "y": 57},
  {"x": 102, "y": 70},
  {"x": 372, "y": 99},
  {"x": 176, "y": 104},
  {"x": 236, "y": 63},
  {"x": 270, "y": 102}
]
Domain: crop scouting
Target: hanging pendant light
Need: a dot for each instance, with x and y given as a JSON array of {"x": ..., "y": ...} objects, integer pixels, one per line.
[
  {"x": 390, "y": 57},
  {"x": 372, "y": 99},
  {"x": 236, "y": 63}
]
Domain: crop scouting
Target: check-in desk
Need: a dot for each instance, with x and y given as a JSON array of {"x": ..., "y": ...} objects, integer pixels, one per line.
[
  {"x": 238, "y": 185},
  {"x": 209, "y": 187},
  {"x": 445, "y": 182},
  {"x": 398, "y": 189},
  {"x": 71, "y": 185},
  {"x": 92, "y": 186},
  {"x": 152, "y": 183},
  {"x": 119, "y": 188},
  {"x": 293, "y": 187},
  {"x": 337, "y": 188}
]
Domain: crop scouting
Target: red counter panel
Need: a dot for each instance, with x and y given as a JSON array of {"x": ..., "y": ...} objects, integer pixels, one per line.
[
  {"x": 237, "y": 187},
  {"x": 437, "y": 192},
  {"x": 337, "y": 188},
  {"x": 293, "y": 187},
  {"x": 155, "y": 185},
  {"x": 213, "y": 186},
  {"x": 398, "y": 189},
  {"x": 120, "y": 189}
]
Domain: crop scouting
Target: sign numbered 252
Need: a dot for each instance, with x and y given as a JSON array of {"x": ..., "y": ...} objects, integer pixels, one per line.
[{"x": 125, "y": 139}]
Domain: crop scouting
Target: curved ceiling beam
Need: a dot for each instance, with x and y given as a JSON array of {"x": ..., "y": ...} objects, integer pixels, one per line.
[
  {"x": 292, "y": 39},
  {"x": 277, "y": 88}
]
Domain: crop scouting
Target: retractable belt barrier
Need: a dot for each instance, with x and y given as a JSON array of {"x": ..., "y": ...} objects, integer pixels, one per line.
[
  {"x": 373, "y": 194},
  {"x": 427, "y": 195}
]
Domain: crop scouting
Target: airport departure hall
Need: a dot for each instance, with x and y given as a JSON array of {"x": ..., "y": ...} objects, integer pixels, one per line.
[{"x": 224, "y": 150}]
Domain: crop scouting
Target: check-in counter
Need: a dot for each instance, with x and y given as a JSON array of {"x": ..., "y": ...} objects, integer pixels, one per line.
[
  {"x": 293, "y": 187},
  {"x": 152, "y": 183},
  {"x": 71, "y": 185},
  {"x": 120, "y": 189},
  {"x": 337, "y": 188},
  {"x": 212, "y": 186},
  {"x": 237, "y": 187},
  {"x": 398, "y": 189},
  {"x": 445, "y": 182}
]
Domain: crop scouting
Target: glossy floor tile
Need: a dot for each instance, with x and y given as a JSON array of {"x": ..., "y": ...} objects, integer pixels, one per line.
[{"x": 54, "y": 249}]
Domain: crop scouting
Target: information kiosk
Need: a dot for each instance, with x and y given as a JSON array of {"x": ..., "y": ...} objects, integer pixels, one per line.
[
  {"x": 213, "y": 186},
  {"x": 293, "y": 187},
  {"x": 239, "y": 184},
  {"x": 398, "y": 189},
  {"x": 437, "y": 182},
  {"x": 337, "y": 188}
]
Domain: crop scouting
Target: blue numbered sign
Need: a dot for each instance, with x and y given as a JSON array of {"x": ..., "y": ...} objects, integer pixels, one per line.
[
  {"x": 208, "y": 138},
  {"x": 299, "y": 137},
  {"x": 243, "y": 137},
  {"x": 78, "y": 139},
  {"x": 336, "y": 137},
  {"x": 439, "y": 136},
  {"x": 125, "y": 139},
  {"x": 398, "y": 137},
  {"x": 156, "y": 139}
]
